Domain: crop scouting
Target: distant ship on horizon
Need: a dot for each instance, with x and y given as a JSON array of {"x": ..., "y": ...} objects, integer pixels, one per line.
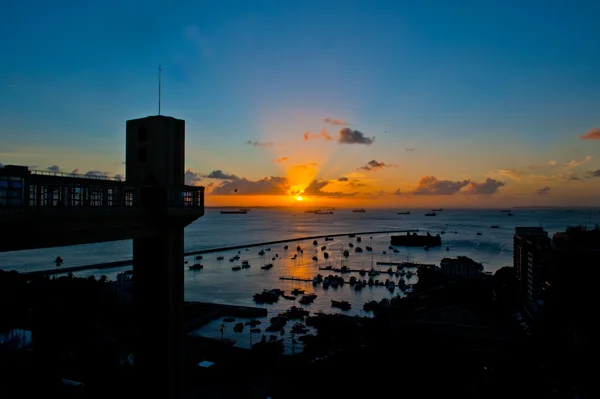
[{"x": 358, "y": 210}]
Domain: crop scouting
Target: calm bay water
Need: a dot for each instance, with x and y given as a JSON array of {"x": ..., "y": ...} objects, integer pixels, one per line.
[{"x": 218, "y": 283}]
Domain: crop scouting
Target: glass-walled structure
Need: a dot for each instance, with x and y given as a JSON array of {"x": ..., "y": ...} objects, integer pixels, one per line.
[{"x": 20, "y": 187}]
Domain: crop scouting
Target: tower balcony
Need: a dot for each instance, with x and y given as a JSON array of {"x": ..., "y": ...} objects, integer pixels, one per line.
[{"x": 40, "y": 209}]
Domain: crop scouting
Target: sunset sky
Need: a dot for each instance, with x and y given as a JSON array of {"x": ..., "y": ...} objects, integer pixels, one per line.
[{"x": 340, "y": 103}]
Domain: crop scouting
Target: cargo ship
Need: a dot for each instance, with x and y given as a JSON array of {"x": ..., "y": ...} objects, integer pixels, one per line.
[{"x": 242, "y": 211}]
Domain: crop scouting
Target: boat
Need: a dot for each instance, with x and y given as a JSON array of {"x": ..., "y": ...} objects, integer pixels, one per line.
[
  {"x": 267, "y": 266},
  {"x": 234, "y": 212},
  {"x": 220, "y": 258},
  {"x": 430, "y": 214},
  {"x": 323, "y": 212},
  {"x": 266, "y": 297},
  {"x": 358, "y": 210},
  {"x": 245, "y": 264},
  {"x": 196, "y": 266},
  {"x": 437, "y": 210},
  {"x": 415, "y": 240},
  {"x": 236, "y": 268},
  {"x": 344, "y": 305},
  {"x": 403, "y": 213},
  {"x": 505, "y": 210},
  {"x": 510, "y": 214},
  {"x": 494, "y": 227}
]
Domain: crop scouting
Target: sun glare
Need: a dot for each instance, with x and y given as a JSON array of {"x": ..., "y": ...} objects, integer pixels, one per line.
[{"x": 299, "y": 198}]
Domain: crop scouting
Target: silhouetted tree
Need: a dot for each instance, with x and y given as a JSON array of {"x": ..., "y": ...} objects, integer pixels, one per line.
[{"x": 58, "y": 261}]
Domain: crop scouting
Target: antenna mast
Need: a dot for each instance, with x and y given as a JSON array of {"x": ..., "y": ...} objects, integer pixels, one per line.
[{"x": 159, "y": 85}]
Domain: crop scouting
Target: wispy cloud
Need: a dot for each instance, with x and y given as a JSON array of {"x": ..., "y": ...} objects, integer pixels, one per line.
[
  {"x": 349, "y": 136},
  {"x": 281, "y": 160},
  {"x": 592, "y": 173},
  {"x": 259, "y": 143},
  {"x": 54, "y": 168},
  {"x": 410, "y": 149},
  {"x": 543, "y": 191},
  {"x": 337, "y": 122},
  {"x": 593, "y": 134},
  {"x": 274, "y": 185},
  {"x": 574, "y": 163},
  {"x": 323, "y": 135}
]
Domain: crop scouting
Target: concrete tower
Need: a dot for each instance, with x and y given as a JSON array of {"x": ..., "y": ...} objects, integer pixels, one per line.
[{"x": 155, "y": 159}]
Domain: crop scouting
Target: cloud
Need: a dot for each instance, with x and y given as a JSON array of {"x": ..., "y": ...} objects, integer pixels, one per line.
[
  {"x": 574, "y": 178},
  {"x": 400, "y": 193},
  {"x": 343, "y": 178},
  {"x": 349, "y": 136},
  {"x": 315, "y": 189},
  {"x": 1, "y": 165},
  {"x": 356, "y": 183},
  {"x": 410, "y": 149},
  {"x": 260, "y": 144},
  {"x": 323, "y": 135},
  {"x": 219, "y": 174},
  {"x": 489, "y": 186},
  {"x": 373, "y": 165},
  {"x": 192, "y": 178},
  {"x": 281, "y": 160},
  {"x": 337, "y": 122},
  {"x": 75, "y": 171},
  {"x": 54, "y": 168},
  {"x": 552, "y": 163},
  {"x": 593, "y": 173},
  {"x": 429, "y": 185},
  {"x": 96, "y": 173},
  {"x": 515, "y": 174},
  {"x": 543, "y": 191},
  {"x": 273, "y": 185},
  {"x": 593, "y": 134},
  {"x": 574, "y": 164}
]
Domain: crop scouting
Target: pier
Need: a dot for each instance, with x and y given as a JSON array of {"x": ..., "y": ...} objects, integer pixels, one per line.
[
  {"x": 128, "y": 262},
  {"x": 308, "y": 280}
]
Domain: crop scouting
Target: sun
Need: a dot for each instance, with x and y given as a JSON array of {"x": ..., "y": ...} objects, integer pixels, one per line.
[{"x": 299, "y": 198}]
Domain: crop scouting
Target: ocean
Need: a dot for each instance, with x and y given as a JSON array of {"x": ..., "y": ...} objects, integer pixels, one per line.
[{"x": 218, "y": 283}]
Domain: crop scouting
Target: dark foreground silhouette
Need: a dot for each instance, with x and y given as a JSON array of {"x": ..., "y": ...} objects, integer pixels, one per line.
[{"x": 451, "y": 338}]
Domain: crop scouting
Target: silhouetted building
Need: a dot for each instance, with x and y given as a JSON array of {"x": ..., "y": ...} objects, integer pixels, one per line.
[
  {"x": 558, "y": 279},
  {"x": 528, "y": 250},
  {"x": 43, "y": 209},
  {"x": 461, "y": 267}
]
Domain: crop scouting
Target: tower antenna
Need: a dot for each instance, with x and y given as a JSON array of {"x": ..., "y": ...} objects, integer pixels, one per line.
[{"x": 159, "y": 85}]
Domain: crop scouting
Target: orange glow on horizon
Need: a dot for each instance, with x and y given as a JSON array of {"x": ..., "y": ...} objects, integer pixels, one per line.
[{"x": 299, "y": 198}]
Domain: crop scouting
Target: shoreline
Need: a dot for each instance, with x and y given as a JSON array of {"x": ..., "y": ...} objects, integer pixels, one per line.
[
  {"x": 129, "y": 262},
  {"x": 198, "y": 314}
]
